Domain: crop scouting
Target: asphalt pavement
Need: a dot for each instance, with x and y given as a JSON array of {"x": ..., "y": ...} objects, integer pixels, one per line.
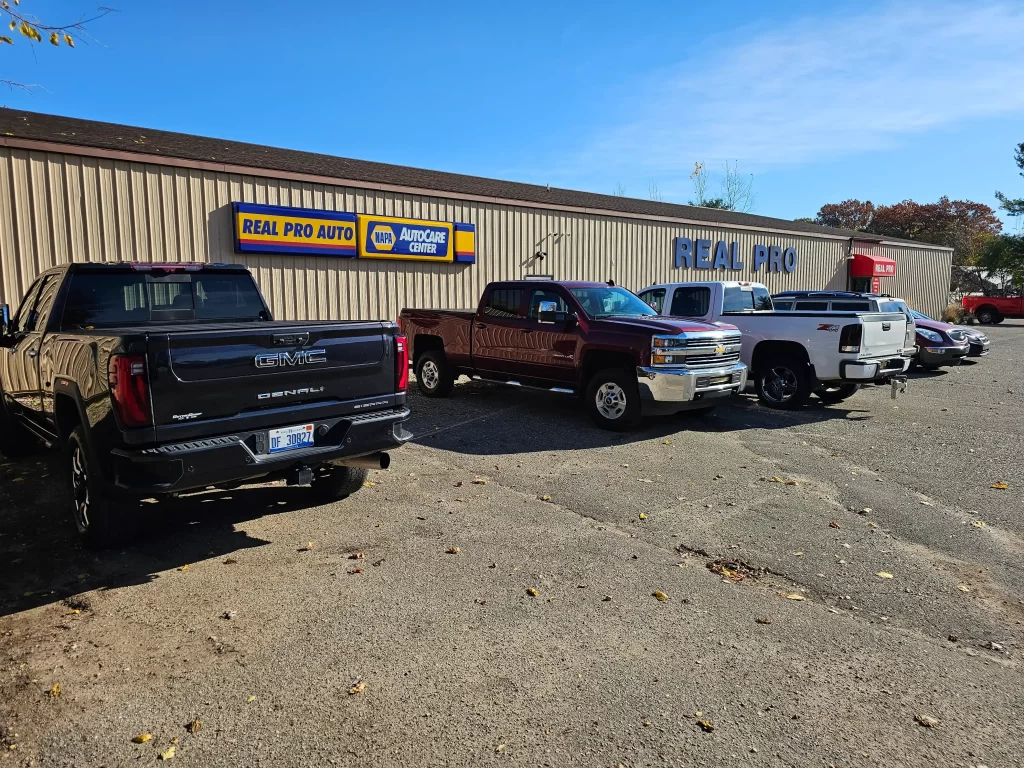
[{"x": 836, "y": 586}]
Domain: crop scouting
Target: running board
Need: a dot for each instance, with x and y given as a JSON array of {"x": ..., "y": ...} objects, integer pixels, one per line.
[{"x": 514, "y": 383}]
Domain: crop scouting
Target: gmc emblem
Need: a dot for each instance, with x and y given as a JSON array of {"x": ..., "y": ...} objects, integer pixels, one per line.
[{"x": 290, "y": 359}]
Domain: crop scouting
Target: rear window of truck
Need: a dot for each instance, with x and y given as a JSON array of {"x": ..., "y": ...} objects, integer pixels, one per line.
[
  {"x": 109, "y": 299},
  {"x": 745, "y": 298}
]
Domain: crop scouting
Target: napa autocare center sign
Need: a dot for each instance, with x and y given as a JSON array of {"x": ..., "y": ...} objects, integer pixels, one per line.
[
  {"x": 711, "y": 255},
  {"x": 383, "y": 237},
  {"x": 279, "y": 229}
]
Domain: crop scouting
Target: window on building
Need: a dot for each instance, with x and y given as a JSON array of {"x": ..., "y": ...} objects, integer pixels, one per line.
[
  {"x": 690, "y": 302},
  {"x": 504, "y": 302}
]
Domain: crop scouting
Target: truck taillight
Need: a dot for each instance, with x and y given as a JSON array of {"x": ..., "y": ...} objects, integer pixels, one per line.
[
  {"x": 129, "y": 387},
  {"x": 850, "y": 337},
  {"x": 402, "y": 362}
]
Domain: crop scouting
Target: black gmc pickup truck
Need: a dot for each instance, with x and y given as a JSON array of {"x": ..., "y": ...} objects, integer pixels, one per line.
[{"x": 159, "y": 378}]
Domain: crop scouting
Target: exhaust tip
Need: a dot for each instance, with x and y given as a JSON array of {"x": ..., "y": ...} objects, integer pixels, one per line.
[{"x": 385, "y": 460}]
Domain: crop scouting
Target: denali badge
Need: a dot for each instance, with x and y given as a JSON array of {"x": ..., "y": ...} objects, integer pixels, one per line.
[
  {"x": 283, "y": 359},
  {"x": 290, "y": 393}
]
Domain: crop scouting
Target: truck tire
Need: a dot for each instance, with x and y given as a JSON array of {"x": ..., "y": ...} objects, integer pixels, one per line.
[
  {"x": 613, "y": 399},
  {"x": 783, "y": 382},
  {"x": 836, "y": 393},
  {"x": 334, "y": 483},
  {"x": 987, "y": 316},
  {"x": 102, "y": 520},
  {"x": 433, "y": 374}
]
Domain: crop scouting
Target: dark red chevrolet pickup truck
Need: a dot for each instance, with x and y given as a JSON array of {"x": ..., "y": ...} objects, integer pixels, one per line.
[{"x": 595, "y": 340}]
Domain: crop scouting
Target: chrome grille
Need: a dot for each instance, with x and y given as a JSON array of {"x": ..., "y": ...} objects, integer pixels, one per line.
[
  {"x": 700, "y": 361},
  {"x": 710, "y": 342}
]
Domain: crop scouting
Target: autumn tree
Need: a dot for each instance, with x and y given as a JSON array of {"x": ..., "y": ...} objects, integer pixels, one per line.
[
  {"x": 849, "y": 214},
  {"x": 18, "y": 22}
]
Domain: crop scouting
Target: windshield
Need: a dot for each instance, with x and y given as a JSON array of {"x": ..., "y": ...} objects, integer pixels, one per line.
[
  {"x": 600, "y": 301},
  {"x": 918, "y": 316}
]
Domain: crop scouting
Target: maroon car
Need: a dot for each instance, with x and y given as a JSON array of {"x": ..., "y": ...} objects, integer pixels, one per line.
[
  {"x": 940, "y": 343},
  {"x": 595, "y": 340}
]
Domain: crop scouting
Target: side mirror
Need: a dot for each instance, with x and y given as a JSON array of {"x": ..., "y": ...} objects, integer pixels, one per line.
[{"x": 546, "y": 312}]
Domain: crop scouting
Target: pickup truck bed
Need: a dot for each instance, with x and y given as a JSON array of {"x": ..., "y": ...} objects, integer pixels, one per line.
[{"x": 169, "y": 403}]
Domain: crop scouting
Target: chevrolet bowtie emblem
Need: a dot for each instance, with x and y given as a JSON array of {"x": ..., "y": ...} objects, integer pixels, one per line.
[{"x": 719, "y": 350}]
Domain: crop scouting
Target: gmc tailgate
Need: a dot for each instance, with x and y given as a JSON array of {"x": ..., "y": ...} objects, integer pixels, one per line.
[{"x": 208, "y": 379}]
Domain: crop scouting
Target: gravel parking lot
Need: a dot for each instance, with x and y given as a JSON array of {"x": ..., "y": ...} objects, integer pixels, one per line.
[{"x": 842, "y": 586}]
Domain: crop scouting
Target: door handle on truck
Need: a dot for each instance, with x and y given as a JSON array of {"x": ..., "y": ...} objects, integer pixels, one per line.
[
  {"x": 481, "y": 326},
  {"x": 33, "y": 353}
]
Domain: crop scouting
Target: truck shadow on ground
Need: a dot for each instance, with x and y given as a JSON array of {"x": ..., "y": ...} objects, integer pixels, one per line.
[
  {"x": 488, "y": 419},
  {"x": 42, "y": 560}
]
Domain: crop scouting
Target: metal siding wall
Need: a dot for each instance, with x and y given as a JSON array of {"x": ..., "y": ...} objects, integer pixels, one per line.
[
  {"x": 56, "y": 208},
  {"x": 922, "y": 275}
]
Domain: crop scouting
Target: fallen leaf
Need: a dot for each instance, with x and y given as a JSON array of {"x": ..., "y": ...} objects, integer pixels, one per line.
[
  {"x": 643, "y": 480},
  {"x": 359, "y": 687},
  {"x": 55, "y": 691},
  {"x": 369, "y": 484},
  {"x": 195, "y": 726},
  {"x": 667, "y": 442},
  {"x": 798, "y": 554},
  {"x": 643, "y": 516},
  {"x": 963, "y": 587},
  {"x": 776, "y": 479},
  {"x": 142, "y": 738},
  {"x": 624, "y": 466},
  {"x": 978, "y": 523},
  {"x": 833, "y": 524},
  {"x": 792, "y": 595},
  {"x": 545, "y": 497},
  {"x": 532, "y": 592},
  {"x": 452, "y": 551},
  {"x": 184, "y": 567},
  {"x": 168, "y": 753},
  {"x": 251, "y": 699},
  {"x": 792, "y": 482},
  {"x": 308, "y": 548},
  {"x": 872, "y": 525},
  {"x": 175, "y": 741},
  {"x": 354, "y": 571},
  {"x": 479, "y": 481},
  {"x": 230, "y": 561},
  {"x": 660, "y": 596},
  {"x": 706, "y": 725},
  {"x": 926, "y": 721},
  {"x": 928, "y": 503},
  {"x": 357, "y": 556},
  {"x": 883, "y": 575},
  {"x": 500, "y": 748},
  {"x": 73, "y": 612},
  {"x": 763, "y": 620},
  {"x": 1000, "y": 486}
]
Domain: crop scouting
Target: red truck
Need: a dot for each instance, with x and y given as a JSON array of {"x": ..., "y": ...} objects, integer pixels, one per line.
[
  {"x": 994, "y": 309},
  {"x": 595, "y": 340}
]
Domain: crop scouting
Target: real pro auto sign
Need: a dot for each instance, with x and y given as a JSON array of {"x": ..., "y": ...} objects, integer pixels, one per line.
[{"x": 279, "y": 229}]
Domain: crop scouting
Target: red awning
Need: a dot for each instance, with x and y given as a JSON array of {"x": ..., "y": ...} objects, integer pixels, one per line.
[{"x": 863, "y": 265}]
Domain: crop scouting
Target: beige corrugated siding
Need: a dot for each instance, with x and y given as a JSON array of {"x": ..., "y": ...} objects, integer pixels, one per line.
[
  {"x": 922, "y": 275},
  {"x": 57, "y": 207}
]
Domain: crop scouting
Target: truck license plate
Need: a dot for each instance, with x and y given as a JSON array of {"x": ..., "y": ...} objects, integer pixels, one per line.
[{"x": 291, "y": 438}]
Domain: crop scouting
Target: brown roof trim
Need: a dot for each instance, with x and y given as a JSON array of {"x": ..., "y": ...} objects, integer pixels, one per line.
[{"x": 52, "y": 133}]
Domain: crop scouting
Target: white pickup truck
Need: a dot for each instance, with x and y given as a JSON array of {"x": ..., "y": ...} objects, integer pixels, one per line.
[{"x": 794, "y": 354}]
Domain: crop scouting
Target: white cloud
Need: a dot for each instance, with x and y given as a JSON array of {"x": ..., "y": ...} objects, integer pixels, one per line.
[{"x": 818, "y": 88}]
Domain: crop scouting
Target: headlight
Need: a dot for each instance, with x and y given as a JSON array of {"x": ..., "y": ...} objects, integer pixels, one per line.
[{"x": 924, "y": 333}]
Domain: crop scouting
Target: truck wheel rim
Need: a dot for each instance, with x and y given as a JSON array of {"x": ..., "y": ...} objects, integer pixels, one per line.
[
  {"x": 610, "y": 400},
  {"x": 80, "y": 488},
  {"x": 780, "y": 384},
  {"x": 430, "y": 375}
]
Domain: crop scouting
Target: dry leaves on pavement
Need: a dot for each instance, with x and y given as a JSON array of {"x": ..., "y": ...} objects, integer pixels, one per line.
[
  {"x": 359, "y": 687},
  {"x": 308, "y": 548},
  {"x": 706, "y": 725},
  {"x": 142, "y": 738},
  {"x": 168, "y": 753},
  {"x": 452, "y": 551},
  {"x": 1000, "y": 486},
  {"x": 532, "y": 592},
  {"x": 884, "y": 575},
  {"x": 659, "y": 596},
  {"x": 55, "y": 691},
  {"x": 643, "y": 516},
  {"x": 357, "y": 556},
  {"x": 230, "y": 561},
  {"x": 184, "y": 567},
  {"x": 479, "y": 481},
  {"x": 194, "y": 726},
  {"x": 926, "y": 721},
  {"x": 792, "y": 595}
]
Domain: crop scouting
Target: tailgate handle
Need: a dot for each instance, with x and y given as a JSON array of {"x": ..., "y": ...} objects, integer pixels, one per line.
[{"x": 290, "y": 339}]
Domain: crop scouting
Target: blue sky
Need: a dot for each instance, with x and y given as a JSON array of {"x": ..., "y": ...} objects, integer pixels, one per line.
[{"x": 819, "y": 101}]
